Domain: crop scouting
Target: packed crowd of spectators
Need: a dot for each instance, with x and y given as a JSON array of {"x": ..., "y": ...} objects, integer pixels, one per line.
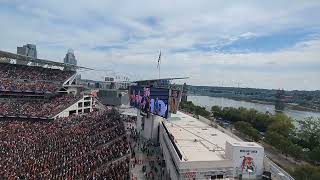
[
  {"x": 14, "y": 71},
  {"x": 91, "y": 146},
  {"x": 31, "y": 78},
  {"x": 28, "y": 86},
  {"x": 36, "y": 108}
]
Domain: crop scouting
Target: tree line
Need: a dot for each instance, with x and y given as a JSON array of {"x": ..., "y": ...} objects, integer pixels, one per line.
[{"x": 301, "y": 141}]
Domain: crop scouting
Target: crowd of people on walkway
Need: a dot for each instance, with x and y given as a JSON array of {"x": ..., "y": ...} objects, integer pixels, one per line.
[
  {"x": 145, "y": 154},
  {"x": 24, "y": 78},
  {"x": 35, "y": 108},
  {"x": 91, "y": 146}
]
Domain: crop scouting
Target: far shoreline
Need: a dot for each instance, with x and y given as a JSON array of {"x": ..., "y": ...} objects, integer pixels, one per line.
[{"x": 289, "y": 106}]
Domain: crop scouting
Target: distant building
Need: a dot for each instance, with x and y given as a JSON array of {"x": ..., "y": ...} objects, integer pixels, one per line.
[
  {"x": 117, "y": 82},
  {"x": 29, "y": 50},
  {"x": 70, "y": 58},
  {"x": 184, "y": 97},
  {"x": 280, "y": 100}
]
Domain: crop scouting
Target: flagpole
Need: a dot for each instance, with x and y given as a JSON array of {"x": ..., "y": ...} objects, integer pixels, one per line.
[
  {"x": 159, "y": 63},
  {"x": 159, "y": 68}
]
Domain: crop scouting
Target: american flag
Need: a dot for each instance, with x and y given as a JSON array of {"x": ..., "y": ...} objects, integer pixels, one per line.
[{"x": 159, "y": 60}]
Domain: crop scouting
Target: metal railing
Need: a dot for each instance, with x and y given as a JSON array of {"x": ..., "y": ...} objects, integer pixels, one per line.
[{"x": 276, "y": 171}]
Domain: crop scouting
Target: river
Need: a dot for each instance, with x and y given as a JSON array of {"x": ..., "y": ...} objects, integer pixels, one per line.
[{"x": 208, "y": 102}]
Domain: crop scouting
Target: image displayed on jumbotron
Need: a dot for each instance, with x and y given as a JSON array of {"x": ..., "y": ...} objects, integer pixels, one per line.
[
  {"x": 150, "y": 100},
  {"x": 174, "y": 101}
]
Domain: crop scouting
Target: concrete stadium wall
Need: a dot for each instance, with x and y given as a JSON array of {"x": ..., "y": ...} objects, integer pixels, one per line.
[
  {"x": 169, "y": 154},
  {"x": 74, "y": 107}
]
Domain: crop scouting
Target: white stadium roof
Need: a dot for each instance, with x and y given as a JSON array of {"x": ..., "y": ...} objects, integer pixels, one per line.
[{"x": 196, "y": 140}]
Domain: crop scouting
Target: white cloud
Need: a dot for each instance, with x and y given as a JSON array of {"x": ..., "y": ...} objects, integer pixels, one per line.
[{"x": 84, "y": 25}]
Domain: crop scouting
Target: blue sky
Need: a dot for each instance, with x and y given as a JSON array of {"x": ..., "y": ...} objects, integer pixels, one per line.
[{"x": 272, "y": 44}]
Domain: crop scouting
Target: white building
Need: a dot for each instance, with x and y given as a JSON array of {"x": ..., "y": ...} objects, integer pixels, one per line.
[
  {"x": 194, "y": 150},
  {"x": 117, "y": 82},
  {"x": 247, "y": 158}
]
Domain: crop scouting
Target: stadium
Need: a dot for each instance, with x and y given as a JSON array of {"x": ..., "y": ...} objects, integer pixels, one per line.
[
  {"x": 52, "y": 128},
  {"x": 55, "y": 125},
  {"x": 159, "y": 90}
]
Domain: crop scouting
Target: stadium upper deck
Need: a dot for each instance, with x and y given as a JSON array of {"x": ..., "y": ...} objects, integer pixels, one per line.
[
  {"x": 35, "y": 89},
  {"x": 24, "y": 78},
  {"x": 22, "y": 74}
]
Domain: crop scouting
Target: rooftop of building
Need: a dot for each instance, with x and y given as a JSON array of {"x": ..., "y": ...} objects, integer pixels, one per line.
[
  {"x": 245, "y": 144},
  {"x": 9, "y": 55},
  {"x": 196, "y": 140}
]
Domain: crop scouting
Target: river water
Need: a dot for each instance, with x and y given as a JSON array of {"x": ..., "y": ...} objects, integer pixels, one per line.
[{"x": 208, "y": 102}]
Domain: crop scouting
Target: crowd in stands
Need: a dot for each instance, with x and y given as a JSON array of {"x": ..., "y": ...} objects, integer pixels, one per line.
[
  {"x": 27, "y": 86},
  {"x": 23, "y": 78},
  {"x": 14, "y": 71},
  {"x": 91, "y": 146},
  {"x": 35, "y": 108}
]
